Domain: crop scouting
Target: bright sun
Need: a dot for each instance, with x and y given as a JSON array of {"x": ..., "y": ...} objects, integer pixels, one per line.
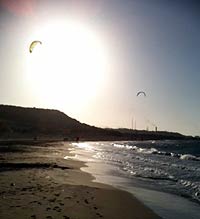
[{"x": 70, "y": 65}]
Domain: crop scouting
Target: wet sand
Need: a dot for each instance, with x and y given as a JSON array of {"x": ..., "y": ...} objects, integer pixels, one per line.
[{"x": 36, "y": 182}]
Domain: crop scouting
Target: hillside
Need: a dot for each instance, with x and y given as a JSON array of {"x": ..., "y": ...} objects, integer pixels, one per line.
[
  {"x": 20, "y": 122},
  {"x": 29, "y": 122}
]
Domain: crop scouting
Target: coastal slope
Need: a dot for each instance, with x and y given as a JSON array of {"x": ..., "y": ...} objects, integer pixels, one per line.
[{"x": 20, "y": 122}]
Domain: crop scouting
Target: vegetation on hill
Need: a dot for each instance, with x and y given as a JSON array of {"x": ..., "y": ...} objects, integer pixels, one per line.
[{"x": 20, "y": 122}]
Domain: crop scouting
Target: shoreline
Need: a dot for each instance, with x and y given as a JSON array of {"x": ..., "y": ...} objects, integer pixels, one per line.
[
  {"x": 62, "y": 191},
  {"x": 162, "y": 203}
]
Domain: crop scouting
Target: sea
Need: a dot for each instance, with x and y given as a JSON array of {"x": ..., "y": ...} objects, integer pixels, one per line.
[{"x": 163, "y": 174}]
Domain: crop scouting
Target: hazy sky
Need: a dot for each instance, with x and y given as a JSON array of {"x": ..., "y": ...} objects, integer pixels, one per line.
[{"x": 149, "y": 45}]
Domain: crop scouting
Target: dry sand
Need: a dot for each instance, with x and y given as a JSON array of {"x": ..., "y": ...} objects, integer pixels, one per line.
[{"x": 37, "y": 183}]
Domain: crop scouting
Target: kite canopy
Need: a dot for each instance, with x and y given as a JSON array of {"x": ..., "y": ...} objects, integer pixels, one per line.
[
  {"x": 141, "y": 92},
  {"x": 33, "y": 44}
]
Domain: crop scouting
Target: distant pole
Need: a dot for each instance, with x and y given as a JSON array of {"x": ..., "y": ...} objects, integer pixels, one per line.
[
  {"x": 132, "y": 123},
  {"x": 156, "y": 128},
  {"x": 135, "y": 124}
]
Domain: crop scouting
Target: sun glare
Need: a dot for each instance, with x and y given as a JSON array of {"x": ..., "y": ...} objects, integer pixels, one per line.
[{"x": 70, "y": 65}]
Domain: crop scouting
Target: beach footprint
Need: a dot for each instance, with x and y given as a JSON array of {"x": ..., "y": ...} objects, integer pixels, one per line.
[
  {"x": 52, "y": 200},
  {"x": 86, "y": 201},
  {"x": 57, "y": 194},
  {"x": 56, "y": 208},
  {"x": 98, "y": 214}
]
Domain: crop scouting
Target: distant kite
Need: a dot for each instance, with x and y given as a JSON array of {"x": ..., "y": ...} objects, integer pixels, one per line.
[
  {"x": 141, "y": 92},
  {"x": 33, "y": 44}
]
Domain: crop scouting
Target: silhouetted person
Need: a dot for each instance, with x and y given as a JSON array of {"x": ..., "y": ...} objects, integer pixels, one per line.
[{"x": 77, "y": 139}]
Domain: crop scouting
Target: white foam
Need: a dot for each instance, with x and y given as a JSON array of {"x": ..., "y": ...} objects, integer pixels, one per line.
[{"x": 189, "y": 157}]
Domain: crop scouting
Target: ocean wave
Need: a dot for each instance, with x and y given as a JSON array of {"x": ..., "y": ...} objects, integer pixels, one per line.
[
  {"x": 135, "y": 148},
  {"x": 156, "y": 152},
  {"x": 118, "y": 145},
  {"x": 158, "y": 166},
  {"x": 193, "y": 188},
  {"x": 189, "y": 157},
  {"x": 149, "y": 172}
]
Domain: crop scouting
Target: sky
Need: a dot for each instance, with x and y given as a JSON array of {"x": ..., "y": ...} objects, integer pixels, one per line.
[{"x": 97, "y": 54}]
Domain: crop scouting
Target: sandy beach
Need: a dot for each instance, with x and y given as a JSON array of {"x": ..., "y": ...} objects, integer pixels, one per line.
[{"x": 37, "y": 182}]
